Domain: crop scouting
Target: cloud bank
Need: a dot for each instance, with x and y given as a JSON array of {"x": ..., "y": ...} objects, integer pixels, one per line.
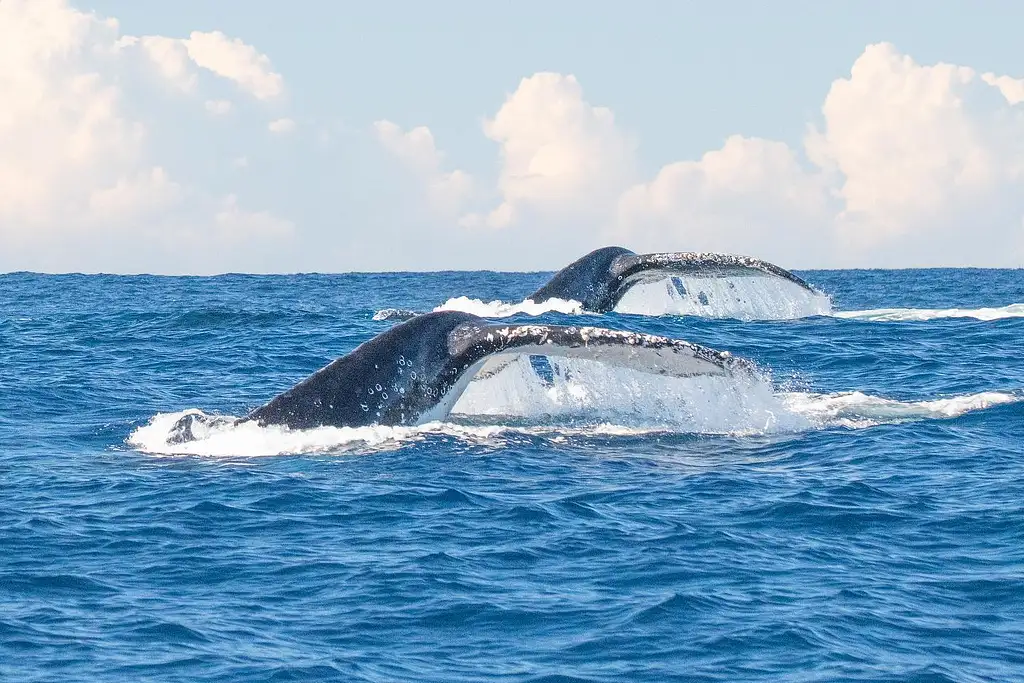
[
  {"x": 80, "y": 188},
  {"x": 107, "y": 142},
  {"x": 909, "y": 165}
]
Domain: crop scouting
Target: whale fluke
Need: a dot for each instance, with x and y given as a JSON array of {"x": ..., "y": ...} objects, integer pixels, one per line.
[
  {"x": 416, "y": 371},
  {"x": 601, "y": 278}
]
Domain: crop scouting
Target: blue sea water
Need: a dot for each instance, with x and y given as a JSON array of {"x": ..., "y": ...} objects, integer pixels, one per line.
[{"x": 876, "y": 535}]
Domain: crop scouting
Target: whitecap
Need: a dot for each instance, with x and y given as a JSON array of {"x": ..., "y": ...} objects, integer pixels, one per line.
[{"x": 922, "y": 314}]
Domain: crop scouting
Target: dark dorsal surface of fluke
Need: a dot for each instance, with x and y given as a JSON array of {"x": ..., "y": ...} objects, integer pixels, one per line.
[
  {"x": 416, "y": 371},
  {"x": 587, "y": 280},
  {"x": 600, "y": 279}
]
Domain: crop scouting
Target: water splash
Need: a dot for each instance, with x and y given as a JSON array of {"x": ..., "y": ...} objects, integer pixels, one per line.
[
  {"x": 855, "y": 410},
  {"x": 746, "y": 298},
  {"x": 394, "y": 314},
  {"x": 582, "y": 391},
  {"x": 568, "y": 398},
  {"x": 922, "y": 314},
  {"x": 488, "y": 309},
  {"x": 249, "y": 439}
]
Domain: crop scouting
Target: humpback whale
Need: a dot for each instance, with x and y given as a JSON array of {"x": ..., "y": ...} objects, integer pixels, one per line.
[
  {"x": 416, "y": 371},
  {"x": 599, "y": 280},
  {"x": 602, "y": 277}
]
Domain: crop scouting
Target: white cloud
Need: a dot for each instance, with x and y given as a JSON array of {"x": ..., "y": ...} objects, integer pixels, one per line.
[
  {"x": 79, "y": 187},
  {"x": 910, "y": 165},
  {"x": 559, "y": 153},
  {"x": 62, "y": 133},
  {"x": 231, "y": 59},
  {"x": 1011, "y": 88},
  {"x": 447, "y": 191},
  {"x": 415, "y": 148},
  {"x": 281, "y": 126},
  {"x": 133, "y": 195},
  {"x": 235, "y": 60},
  {"x": 927, "y": 163},
  {"x": 751, "y": 196},
  {"x": 171, "y": 58},
  {"x": 218, "y": 107},
  {"x": 236, "y": 225}
]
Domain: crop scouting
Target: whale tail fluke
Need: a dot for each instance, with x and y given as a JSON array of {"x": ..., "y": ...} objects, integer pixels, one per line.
[
  {"x": 600, "y": 279},
  {"x": 645, "y": 353},
  {"x": 416, "y": 371},
  {"x": 630, "y": 269}
]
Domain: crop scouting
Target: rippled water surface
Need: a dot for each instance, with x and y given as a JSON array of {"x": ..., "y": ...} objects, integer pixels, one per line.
[{"x": 859, "y": 515}]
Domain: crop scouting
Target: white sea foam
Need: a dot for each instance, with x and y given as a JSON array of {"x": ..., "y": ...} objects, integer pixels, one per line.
[
  {"x": 571, "y": 398},
  {"x": 921, "y": 314},
  {"x": 251, "y": 440},
  {"x": 854, "y": 409},
  {"x": 502, "y": 309}
]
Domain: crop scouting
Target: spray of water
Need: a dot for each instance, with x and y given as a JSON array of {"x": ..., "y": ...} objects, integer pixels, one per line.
[
  {"x": 746, "y": 298},
  {"x": 922, "y": 314},
  {"x": 581, "y": 391},
  {"x": 565, "y": 398}
]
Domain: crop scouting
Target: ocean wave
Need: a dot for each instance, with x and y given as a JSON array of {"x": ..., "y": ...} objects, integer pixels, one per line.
[
  {"x": 855, "y": 409},
  {"x": 922, "y": 314}
]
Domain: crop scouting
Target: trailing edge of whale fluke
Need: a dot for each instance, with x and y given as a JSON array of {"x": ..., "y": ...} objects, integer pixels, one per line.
[
  {"x": 601, "y": 278},
  {"x": 416, "y": 371}
]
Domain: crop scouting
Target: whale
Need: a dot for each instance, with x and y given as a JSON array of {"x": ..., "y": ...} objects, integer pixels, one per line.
[
  {"x": 414, "y": 372},
  {"x": 601, "y": 278}
]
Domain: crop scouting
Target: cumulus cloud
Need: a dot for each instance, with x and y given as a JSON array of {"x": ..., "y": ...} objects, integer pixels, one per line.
[
  {"x": 79, "y": 186},
  {"x": 909, "y": 165},
  {"x": 236, "y": 61},
  {"x": 558, "y": 152},
  {"x": 284, "y": 125},
  {"x": 218, "y": 107},
  {"x": 230, "y": 58},
  {"x": 237, "y": 225},
  {"x": 447, "y": 191},
  {"x": 752, "y": 196},
  {"x": 132, "y": 195},
  {"x": 1011, "y": 88},
  {"x": 62, "y": 134},
  {"x": 927, "y": 161},
  {"x": 170, "y": 56}
]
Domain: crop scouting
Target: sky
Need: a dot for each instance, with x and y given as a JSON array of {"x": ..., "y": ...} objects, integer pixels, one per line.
[{"x": 252, "y": 136}]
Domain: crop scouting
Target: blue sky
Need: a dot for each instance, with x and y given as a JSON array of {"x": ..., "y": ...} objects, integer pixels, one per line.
[{"x": 547, "y": 129}]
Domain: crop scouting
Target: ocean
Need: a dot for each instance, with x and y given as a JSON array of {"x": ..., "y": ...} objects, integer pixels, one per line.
[{"x": 855, "y": 514}]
